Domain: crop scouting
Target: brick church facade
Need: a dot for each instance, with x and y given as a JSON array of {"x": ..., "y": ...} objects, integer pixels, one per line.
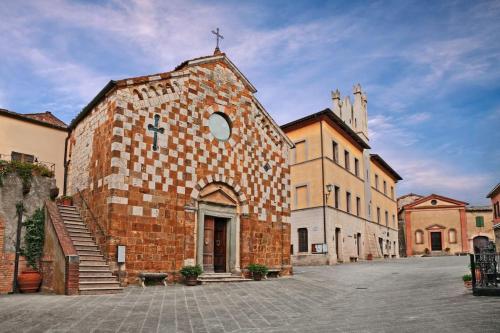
[{"x": 184, "y": 167}]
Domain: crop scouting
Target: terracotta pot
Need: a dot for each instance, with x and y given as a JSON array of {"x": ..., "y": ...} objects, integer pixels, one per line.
[
  {"x": 66, "y": 202},
  {"x": 257, "y": 276},
  {"x": 191, "y": 280},
  {"x": 369, "y": 256},
  {"x": 29, "y": 281},
  {"x": 468, "y": 284}
]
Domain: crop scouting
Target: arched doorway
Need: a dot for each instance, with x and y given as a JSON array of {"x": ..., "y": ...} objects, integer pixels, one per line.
[{"x": 480, "y": 243}]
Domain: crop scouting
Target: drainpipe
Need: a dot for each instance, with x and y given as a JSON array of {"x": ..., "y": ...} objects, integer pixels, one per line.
[
  {"x": 65, "y": 181},
  {"x": 19, "y": 209},
  {"x": 323, "y": 181}
]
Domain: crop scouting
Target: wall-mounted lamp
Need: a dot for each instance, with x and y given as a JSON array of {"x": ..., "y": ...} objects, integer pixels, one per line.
[{"x": 329, "y": 188}]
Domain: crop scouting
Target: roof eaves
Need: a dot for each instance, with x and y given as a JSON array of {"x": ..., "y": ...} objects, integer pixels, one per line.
[
  {"x": 22, "y": 117},
  {"x": 386, "y": 166},
  {"x": 494, "y": 191},
  {"x": 86, "y": 110}
]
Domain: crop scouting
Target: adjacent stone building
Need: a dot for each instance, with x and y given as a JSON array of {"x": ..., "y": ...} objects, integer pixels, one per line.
[
  {"x": 343, "y": 197},
  {"x": 494, "y": 195},
  {"x": 184, "y": 167},
  {"x": 438, "y": 225}
]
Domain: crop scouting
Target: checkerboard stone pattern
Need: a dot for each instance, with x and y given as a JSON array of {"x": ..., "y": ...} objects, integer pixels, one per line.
[{"x": 141, "y": 195}]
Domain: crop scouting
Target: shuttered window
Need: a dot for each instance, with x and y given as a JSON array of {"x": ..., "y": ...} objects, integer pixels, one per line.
[{"x": 479, "y": 221}]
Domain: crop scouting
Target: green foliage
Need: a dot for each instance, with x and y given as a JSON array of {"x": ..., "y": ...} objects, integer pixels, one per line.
[
  {"x": 258, "y": 269},
  {"x": 24, "y": 170},
  {"x": 467, "y": 277},
  {"x": 191, "y": 271},
  {"x": 33, "y": 238}
]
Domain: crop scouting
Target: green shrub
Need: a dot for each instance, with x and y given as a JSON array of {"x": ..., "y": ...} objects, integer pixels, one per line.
[
  {"x": 24, "y": 170},
  {"x": 467, "y": 277},
  {"x": 258, "y": 269},
  {"x": 187, "y": 271},
  {"x": 33, "y": 238}
]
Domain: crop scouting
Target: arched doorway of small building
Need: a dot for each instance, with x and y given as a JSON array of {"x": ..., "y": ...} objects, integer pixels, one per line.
[
  {"x": 218, "y": 229},
  {"x": 480, "y": 243}
]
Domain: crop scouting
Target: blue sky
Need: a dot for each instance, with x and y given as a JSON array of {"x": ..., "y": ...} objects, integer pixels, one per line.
[{"x": 430, "y": 69}]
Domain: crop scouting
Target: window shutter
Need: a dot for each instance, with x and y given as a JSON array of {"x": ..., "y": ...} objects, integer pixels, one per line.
[{"x": 479, "y": 221}]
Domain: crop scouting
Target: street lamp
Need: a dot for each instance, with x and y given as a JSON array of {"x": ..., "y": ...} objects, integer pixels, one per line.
[{"x": 329, "y": 188}]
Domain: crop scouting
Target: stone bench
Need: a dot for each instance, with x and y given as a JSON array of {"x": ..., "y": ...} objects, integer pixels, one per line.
[
  {"x": 273, "y": 273},
  {"x": 146, "y": 275}
]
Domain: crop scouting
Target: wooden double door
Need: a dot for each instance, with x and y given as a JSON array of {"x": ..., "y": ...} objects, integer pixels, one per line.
[{"x": 215, "y": 244}]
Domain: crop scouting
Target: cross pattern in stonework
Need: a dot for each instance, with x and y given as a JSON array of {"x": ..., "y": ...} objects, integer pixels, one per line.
[{"x": 156, "y": 130}]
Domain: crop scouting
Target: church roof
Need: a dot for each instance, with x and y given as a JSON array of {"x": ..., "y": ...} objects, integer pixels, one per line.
[
  {"x": 42, "y": 118},
  {"x": 330, "y": 116},
  {"x": 494, "y": 191},
  {"x": 436, "y": 196},
  {"x": 217, "y": 56},
  {"x": 380, "y": 161}
]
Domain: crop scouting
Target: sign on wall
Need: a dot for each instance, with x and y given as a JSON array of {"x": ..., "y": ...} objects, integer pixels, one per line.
[{"x": 319, "y": 248}]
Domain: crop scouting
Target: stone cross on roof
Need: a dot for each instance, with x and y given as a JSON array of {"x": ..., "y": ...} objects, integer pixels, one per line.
[{"x": 217, "y": 36}]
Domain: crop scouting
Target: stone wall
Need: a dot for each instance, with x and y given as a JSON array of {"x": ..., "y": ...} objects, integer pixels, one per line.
[
  {"x": 146, "y": 199},
  {"x": 10, "y": 195}
]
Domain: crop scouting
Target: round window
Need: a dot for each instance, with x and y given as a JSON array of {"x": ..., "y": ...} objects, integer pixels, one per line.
[
  {"x": 434, "y": 202},
  {"x": 220, "y": 126}
]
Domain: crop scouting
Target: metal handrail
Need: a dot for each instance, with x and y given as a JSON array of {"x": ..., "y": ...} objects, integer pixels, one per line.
[{"x": 101, "y": 229}]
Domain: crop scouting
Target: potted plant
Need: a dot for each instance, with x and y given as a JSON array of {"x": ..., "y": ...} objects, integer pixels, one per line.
[
  {"x": 369, "y": 256},
  {"x": 30, "y": 279},
  {"x": 258, "y": 271},
  {"x": 65, "y": 200},
  {"x": 467, "y": 278},
  {"x": 427, "y": 251},
  {"x": 191, "y": 274}
]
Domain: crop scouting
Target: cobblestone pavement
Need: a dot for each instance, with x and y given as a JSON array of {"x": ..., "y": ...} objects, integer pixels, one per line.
[{"x": 404, "y": 295}]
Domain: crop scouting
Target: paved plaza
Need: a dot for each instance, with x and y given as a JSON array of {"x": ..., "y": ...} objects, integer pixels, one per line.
[{"x": 404, "y": 295}]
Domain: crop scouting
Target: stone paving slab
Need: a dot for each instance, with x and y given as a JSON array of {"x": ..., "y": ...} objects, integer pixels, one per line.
[{"x": 404, "y": 295}]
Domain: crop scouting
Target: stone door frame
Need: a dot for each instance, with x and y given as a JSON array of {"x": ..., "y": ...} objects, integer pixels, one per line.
[{"x": 232, "y": 233}]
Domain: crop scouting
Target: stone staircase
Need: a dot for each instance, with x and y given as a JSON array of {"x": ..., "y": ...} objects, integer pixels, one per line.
[
  {"x": 95, "y": 274},
  {"x": 220, "y": 277}
]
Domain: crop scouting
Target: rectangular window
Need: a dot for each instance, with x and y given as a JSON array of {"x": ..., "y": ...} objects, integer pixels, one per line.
[
  {"x": 386, "y": 218},
  {"x": 301, "y": 196},
  {"x": 358, "y": 206},
  {"x": 348, "y": 201},
  {"x": 393, "y": 220},
  {"x": 20, "y": 157},
  {"x": 300, "y": 151},
  {"x": 479, "y": 221},
  {"x": 385, "y": 187},
  {"x": 378, "y": 215},
  {"x": 346, "y": 160},
  {"x": 356, "y": 167},
  {"x": 392, "y": 192},
  {"x": 376, "y": 181},
  {"x": 337, "y": 196},
  {"x": 335, "y": 147}
]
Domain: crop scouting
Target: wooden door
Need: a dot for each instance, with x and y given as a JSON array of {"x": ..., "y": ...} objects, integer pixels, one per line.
[
  {"x": 436, "y": 244},
  {"x": 220, "y": 245},
  {"x": 208, "y": 244}
]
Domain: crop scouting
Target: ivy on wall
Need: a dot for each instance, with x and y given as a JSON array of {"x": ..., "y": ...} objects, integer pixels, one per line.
[
  {"x": 34, "y": 237},
  {"x": 25, "y": 171}
]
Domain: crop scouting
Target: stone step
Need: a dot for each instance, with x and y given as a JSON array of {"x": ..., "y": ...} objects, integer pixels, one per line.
[
  {"x": 100, "y": 291},
  {"x": 98, "y": 278},
  {"x": 94, "y": 267},
  {"x": 91, "y": 262},
  {"x": 72, "y": 220},
  {"x": 76, "y": 228},
  {"x": 61, "y": 207},
  {"x": 84, "y": 272},
  {"x": 84, "y": 243},
  {"x": 80, "y": 233},
  {"x": 101, "y": 284},
  {"x": 221, "y": 280},
  {"x": 74, "y": 224},
  {"x": 82, "y": 239},
  {"x": 215, "y": 275},
  {"x": 92, "y": 247},
  {"x": 87, "y": 257},
  {"x": 87, "y": 252},
  {"x": 69, "y": 213}
]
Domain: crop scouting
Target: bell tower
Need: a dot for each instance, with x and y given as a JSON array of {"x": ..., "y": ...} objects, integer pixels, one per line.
[{"x": 353, "y": 114}]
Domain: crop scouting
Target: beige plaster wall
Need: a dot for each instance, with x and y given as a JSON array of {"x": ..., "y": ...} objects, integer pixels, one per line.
[
  {"x": 447, "y": 217},
  {"x": 45, "y": 143},
  {"x": 473, "y": 231}
]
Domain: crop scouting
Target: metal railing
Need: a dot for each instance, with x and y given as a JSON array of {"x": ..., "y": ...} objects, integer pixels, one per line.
[
  {"x": 49, "y": 165},
  {"x": 485, "y": 269}
]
